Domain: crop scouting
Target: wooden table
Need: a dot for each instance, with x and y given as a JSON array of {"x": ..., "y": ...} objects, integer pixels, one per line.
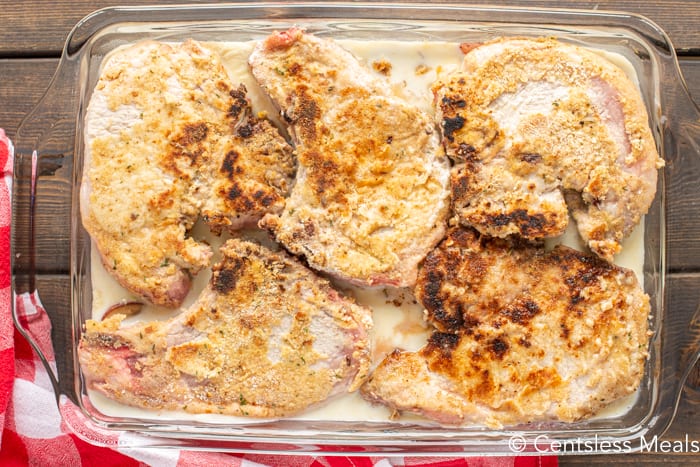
[{"x": 31, "y": 39}]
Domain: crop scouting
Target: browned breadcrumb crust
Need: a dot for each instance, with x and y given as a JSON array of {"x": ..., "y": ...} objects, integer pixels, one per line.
[
  {"x": 523, "y": 335},
  {"x": 267, "y": 337},
  {"x": 536, "y": 126},
  {"x": 371, "y": 196},
  {"x": 382, "y": 66},
  {"x": 169, "y": 138}
]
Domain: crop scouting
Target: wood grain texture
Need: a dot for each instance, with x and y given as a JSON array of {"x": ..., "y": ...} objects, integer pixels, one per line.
[
  {"x": 690, "y": 68},
  {"x": 23, "y": 83},
  {"x": 682, "y": 173},
  {"x": 28, "y": 78},
  {"x": 28, "y": 58},
  {"x": 39, "y": 30}
]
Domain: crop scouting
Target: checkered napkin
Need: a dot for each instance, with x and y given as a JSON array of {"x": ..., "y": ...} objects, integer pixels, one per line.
[{"x": 37, "y": 431}]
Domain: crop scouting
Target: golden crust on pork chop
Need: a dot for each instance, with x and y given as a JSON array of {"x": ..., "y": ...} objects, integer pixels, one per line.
[
  {"x": 371, "y": 195},
  {"x": 169, "y": 137},
  {"x": 535, "y": 126},
  {"x": 267, "y": 337},
  {"x": 524, "y": 335}
]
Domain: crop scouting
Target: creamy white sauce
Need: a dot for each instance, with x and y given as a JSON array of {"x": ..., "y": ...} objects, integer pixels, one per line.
[{"x": 398, "y": 318}]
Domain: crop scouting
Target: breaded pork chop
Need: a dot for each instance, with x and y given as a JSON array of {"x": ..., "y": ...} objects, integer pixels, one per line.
[
  {"x": 169, "y": 137},
  {"x": 371, "y": 195},
  {"x": 267, "y": 337},
  {"x": 536, "y": 125},
  {"x": 524, "y": 335}
]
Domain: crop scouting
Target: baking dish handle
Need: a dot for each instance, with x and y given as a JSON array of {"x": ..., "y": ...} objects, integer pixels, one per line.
[
  {"x": 42, "y": 220},
  {"x": 28, "y": 314},
  {"x": 30, "y": 318}
]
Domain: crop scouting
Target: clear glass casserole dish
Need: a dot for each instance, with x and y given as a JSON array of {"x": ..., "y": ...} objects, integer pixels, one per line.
[{"x": 48, "y": 171}]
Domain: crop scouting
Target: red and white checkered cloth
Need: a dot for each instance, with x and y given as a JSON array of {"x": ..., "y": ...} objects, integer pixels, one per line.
[{"x": 37, "y": 431}]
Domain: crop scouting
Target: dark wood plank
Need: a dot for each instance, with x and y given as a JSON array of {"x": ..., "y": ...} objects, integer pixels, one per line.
[
  {"x": 54, "y": 291},
  {"x": 23, "y": 83},
  {"x": 682, "y": 172},
  {"x": 690, "y": 68},
  {"x": 28, "y": 78},
  {"x": 41, "y": 31}
]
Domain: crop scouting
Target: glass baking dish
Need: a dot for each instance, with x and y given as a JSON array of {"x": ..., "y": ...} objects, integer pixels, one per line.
[{"x": 48, "y": 170}]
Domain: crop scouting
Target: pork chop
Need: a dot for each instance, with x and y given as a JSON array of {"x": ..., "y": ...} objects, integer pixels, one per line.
[
  {"x": 536, "y": 125},
  {"x": 169, "y": 137},
  {"x": 371, "y": 194},
  {"x": 524, "y": 335},
  {"x": 267, "y": 337}
]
